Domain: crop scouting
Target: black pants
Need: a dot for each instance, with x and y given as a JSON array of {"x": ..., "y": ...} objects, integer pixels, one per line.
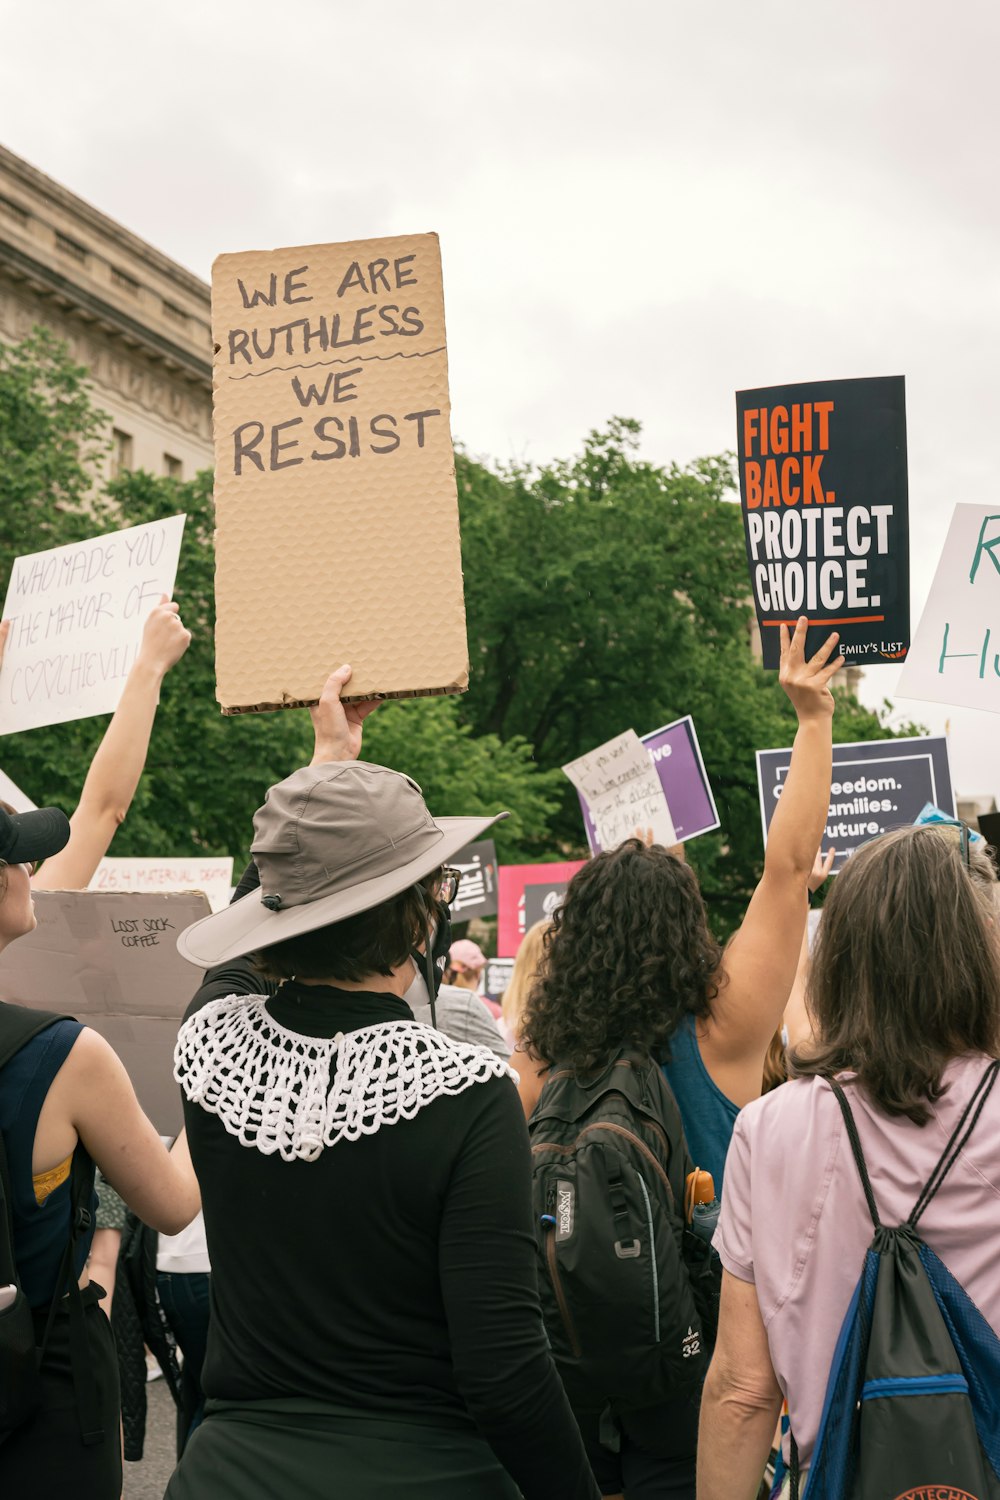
[
  {"x": 644, "y": 1455},
  {"x": 47, "y": 1459}
]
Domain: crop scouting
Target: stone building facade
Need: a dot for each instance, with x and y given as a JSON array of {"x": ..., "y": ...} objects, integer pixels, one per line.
[{"x": 138, "y": 321}]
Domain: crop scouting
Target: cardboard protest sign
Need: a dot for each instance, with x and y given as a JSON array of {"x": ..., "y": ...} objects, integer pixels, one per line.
[
  {"x": 676, "y": 757},
  {"x": 621, "y": 791},
  {"x": 213, "y": 876},
  {"x": 496, "y": 977},
  {"x": 824, "y": 492},
  {"x": 955, "y": 657},
  {"x": 337, "y": 512},
  {"x": 514, "y": 881},
  {"x": 76, "y": 616},
  {"x": 477, "y": 891},
  {"x": 112, "y": 961},
  {"x": 877, "y": 785}
]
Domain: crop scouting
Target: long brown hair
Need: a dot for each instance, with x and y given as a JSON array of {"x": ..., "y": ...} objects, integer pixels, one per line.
[{"x": 906, "y": 971}]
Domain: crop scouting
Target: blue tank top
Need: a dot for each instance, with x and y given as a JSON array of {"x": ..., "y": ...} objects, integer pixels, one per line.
[
  {"x": 40, "y": 1230},
  {"x": 707, "y": 1115}
]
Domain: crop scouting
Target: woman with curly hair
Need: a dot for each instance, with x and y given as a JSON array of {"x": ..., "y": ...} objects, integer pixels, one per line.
[{"x": 631, "y": 963}]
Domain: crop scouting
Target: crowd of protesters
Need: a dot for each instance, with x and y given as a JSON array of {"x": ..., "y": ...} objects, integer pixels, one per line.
[{"x": 357, "y": 1163}]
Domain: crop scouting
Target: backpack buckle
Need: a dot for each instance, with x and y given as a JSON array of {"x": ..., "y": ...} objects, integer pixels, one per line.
[
  {"x": 84, "y": 1219},
  {"x": 627, "y": 1251}
]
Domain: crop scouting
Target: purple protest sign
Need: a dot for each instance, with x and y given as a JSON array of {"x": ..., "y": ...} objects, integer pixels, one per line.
[{"x": 676, "y": 754}]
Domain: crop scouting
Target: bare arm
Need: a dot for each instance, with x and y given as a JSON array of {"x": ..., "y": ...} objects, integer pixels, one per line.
[
  {"x": 761, "y": 959},
  {"x": 118, "y": 764},
  {"x": 92, "y": 1097},
  {"x": 741, "y": 1401},
  {"x": 531, "y": 1073}
]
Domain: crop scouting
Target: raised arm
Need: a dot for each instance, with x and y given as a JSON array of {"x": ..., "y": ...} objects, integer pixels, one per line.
[
  {"x": 118, "y": 764},
  {"x": 760, "y": 962}
]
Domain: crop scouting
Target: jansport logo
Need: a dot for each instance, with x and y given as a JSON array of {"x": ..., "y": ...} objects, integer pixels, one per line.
[
  {"x": 936, "y": 1492},
  {"x": 564, "y": 1210}
]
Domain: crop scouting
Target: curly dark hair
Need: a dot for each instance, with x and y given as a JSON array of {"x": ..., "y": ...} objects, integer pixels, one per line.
[{"x": 629, "y": 955}]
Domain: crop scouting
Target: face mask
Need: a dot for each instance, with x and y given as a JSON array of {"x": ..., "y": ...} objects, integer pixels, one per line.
[{"x": 439, "y": 946}]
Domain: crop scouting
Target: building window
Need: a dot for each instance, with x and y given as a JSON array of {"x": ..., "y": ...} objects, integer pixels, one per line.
[
  {"x": 173, "y": 311},
  {"x": 13, "y": 210},
  {"x": 121, "y": 452},
  {"x": 123, "y": 280},
  {"x": 173, "y": 468},
  {"x": 70, "y": 247}
]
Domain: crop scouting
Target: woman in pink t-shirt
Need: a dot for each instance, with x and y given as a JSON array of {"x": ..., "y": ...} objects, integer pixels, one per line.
[{"x": 905, "y": 998}]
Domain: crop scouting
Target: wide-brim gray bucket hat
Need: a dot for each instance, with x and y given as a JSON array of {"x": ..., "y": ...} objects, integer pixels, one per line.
[{"x": 330, "y": 841}]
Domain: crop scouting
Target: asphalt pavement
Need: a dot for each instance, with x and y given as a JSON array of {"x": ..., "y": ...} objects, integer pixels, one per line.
[{"x": 148, "y": 1479}]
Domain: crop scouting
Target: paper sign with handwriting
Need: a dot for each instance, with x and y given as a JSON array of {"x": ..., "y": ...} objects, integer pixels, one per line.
[
  {"x": 955, "y": 656},
  {"x": 213, "y": 876},
  {"x": 619, "y": 784},
  {"x": 336, "y": 506},
  {"x": 76, "y": 616},
  {"x": 112, "y": 961}
]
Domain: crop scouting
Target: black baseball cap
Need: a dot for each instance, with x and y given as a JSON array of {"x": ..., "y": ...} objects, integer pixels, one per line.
[{"x": 30, "y": 836}]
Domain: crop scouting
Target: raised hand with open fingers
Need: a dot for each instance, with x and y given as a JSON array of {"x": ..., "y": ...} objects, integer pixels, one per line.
[
  {"x": 338, "y": 726},
  {"x": 822, "y": 865},
  {"x": 807, "y": 683}
]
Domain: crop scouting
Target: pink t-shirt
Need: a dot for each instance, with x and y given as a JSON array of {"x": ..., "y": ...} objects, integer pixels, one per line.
[{"x": 794, "y": 1219}]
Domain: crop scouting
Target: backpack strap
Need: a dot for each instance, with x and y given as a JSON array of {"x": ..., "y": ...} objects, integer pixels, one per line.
[
  {"x": 67, "y": 1283},
  {"x": 18, "y": 1026},
  {"x": 858, "y": 1154},
  {"x": 957, "y": 1142}
]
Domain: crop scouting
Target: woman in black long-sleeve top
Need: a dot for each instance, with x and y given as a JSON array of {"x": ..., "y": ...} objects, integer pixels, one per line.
[{"x": 366, "y": 1183}]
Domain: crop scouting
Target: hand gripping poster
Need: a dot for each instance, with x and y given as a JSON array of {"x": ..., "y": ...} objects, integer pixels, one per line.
[{"x": 824, "y": 491}]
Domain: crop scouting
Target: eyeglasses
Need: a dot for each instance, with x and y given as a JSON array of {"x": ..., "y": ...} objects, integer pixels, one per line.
[
  {"x": 448, "y": 884},
  {"x": 964, "y": 835}
]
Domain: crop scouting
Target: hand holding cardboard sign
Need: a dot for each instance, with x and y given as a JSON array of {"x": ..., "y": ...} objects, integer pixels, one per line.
[
  {"x": 807, "y": 682},
  {"x": 164, "y": 637},
  {"x": 338, "y": 726}
]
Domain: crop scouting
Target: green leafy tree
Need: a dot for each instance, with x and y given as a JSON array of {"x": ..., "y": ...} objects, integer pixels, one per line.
[
  {"x": 605, "y": 593},
  {"x": 206, "y": 773}
]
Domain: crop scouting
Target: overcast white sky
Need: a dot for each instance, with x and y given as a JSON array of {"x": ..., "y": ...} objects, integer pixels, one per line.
[{"x": 643, "y": 205}]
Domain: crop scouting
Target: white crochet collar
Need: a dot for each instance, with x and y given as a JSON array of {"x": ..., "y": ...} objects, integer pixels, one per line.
[{"x": 277, "y": 1090}]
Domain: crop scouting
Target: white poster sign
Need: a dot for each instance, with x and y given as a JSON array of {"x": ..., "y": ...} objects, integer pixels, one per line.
[
  {"x": 622, "y": 792},
  {"x": 213, "y": 876},
  {"x": 11, "y": 792},
  {"x": 955, "y": 656},
  {"x": 76, "y": 616}
]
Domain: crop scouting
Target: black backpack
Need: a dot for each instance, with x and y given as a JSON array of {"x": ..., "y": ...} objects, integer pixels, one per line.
[
  {"x": 20, "y": 1355},
  {"x": 912, "y": 1408},
  {"x": 629, "y": 1293}
]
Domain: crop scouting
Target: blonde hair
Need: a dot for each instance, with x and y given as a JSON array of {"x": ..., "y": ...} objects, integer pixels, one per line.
[{"x": 528, "y": 962}]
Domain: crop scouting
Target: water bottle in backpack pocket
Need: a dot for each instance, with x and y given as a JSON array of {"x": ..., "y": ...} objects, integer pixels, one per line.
[{"x": 629, "y": 1295}]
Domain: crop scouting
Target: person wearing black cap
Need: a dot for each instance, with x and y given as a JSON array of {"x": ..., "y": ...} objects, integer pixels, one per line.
[
  {"x": 65, "y": 1103},
  {"x": 375, "y": 1325}
]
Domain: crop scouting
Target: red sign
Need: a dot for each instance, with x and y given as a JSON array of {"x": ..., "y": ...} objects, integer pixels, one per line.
[{"x": 513, "y": 880}]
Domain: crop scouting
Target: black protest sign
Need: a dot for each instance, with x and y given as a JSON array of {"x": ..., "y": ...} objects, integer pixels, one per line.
[
  {"x": 542, "y": 901},
  {"x": 877, "y": 785},
  {"x": 477, "y": 891},
  {"x": 989, "y": 827},
  {"x": 496, "y": 977},
  {"x": 824, "y": 493}
]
